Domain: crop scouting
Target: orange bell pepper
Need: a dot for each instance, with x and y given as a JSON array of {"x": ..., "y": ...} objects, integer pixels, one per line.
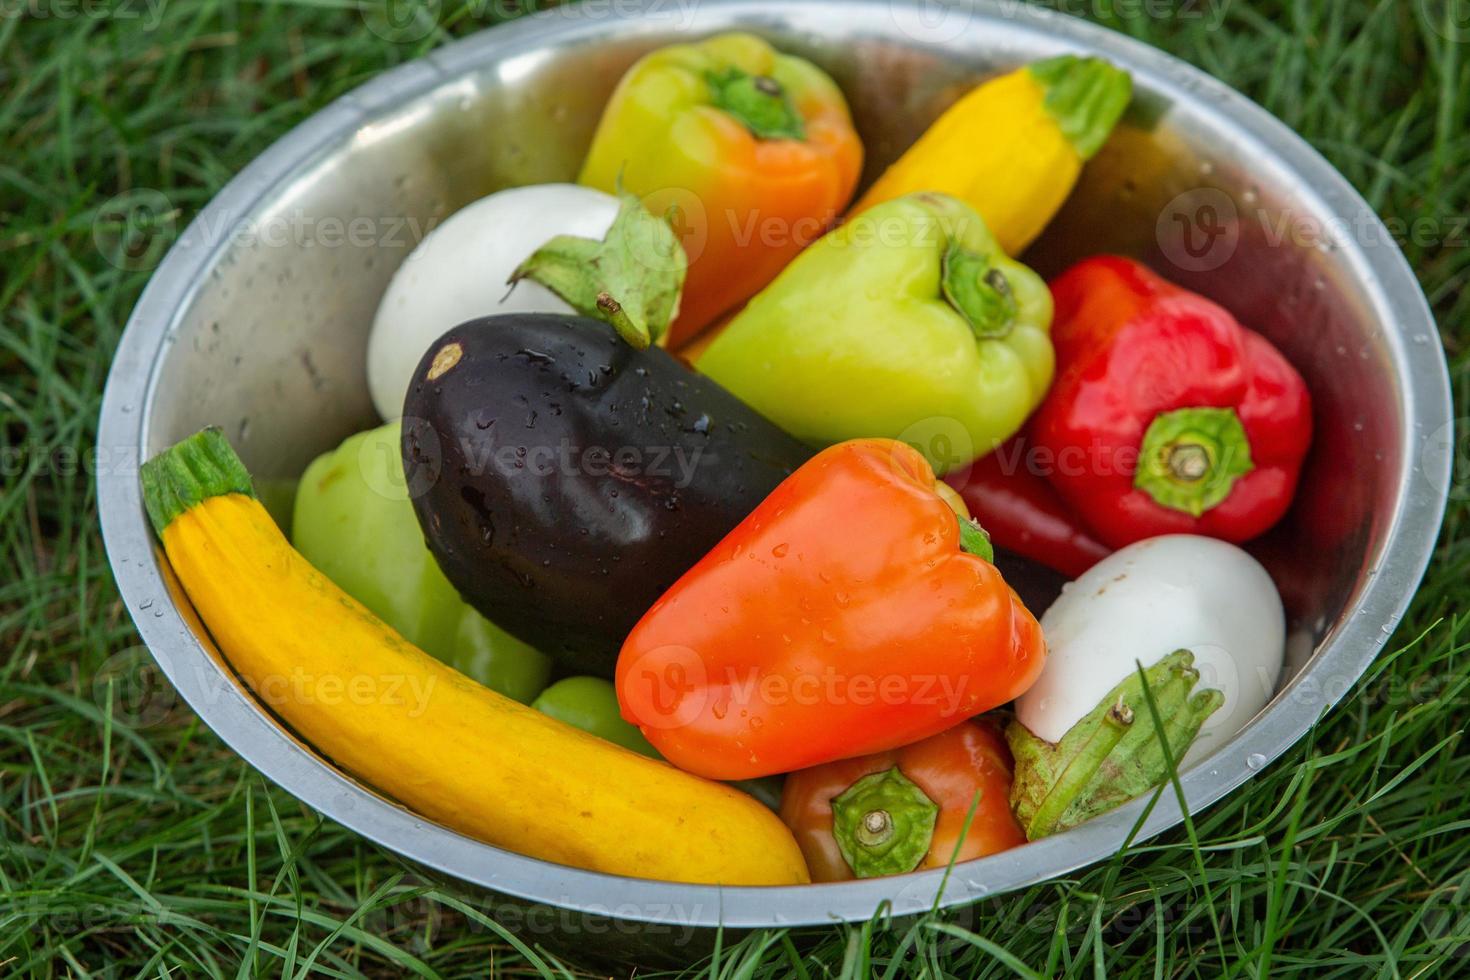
[
  {"x": 852, "y": 612},
  {"x": 906, "y": 809},
  {"x": 751, "y": 152}
]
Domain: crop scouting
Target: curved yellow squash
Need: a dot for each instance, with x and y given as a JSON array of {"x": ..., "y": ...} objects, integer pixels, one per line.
[
  {"x": 420, "y": 731},
  {"x": 1012, "y": 148}
]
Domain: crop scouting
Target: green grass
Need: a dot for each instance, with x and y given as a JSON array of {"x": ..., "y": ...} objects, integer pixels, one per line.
[{"x": 132, "y": 842}]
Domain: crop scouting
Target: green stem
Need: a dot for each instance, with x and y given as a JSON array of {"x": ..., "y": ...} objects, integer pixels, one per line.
[
  {"x": 1190, "y": 458},
  {"x": 632, "y": 279},
  {"x": 202, "y": 466},
  {"x": 1108, "y": 758},
  {"x": 883, "y": 824},
  {"x": 758, "y": 102},
  {"x": 974, "y": 540},
  {"x": 1086, "y": 96},
  {"x": 1079, "y": 771},
  {"x": 978, "y": 291},
  {"x": 633, "y": 334}
]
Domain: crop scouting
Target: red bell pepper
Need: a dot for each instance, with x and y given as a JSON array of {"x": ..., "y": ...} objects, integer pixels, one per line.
[
  {"x": 1023, "y": 513},
  {"x": 1167, "y": 416},
  {"x": 852, "y": 612}
]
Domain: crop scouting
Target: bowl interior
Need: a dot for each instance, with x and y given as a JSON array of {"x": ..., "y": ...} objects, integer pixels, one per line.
[
  {"x": 270, "y": 339},
  {"x": 272, "y": 345}
]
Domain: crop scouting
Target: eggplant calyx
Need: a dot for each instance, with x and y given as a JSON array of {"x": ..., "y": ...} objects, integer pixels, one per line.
[
  {"x": 630, "y": 279},
  {"x": 1114, "y": 753}
]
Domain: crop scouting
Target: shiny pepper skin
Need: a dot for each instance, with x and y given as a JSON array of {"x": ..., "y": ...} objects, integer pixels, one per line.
[{"x": 842, "y": 617}]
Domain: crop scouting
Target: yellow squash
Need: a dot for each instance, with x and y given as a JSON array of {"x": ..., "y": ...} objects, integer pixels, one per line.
[
  {"x": 1012, "y": 148},
  {"x": 423, "y": 733}
]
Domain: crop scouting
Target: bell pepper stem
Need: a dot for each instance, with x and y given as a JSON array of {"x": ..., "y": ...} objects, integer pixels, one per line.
[
  {"x": 758, "y": 102},
  {"x": 883, "y": 824},
  {"x": 975, "y": 540},
  {"x": 1110, "y": 757},
  {"x": 632, "y": 279},
  {"x": 978, "y": 291},
  {"x": 1190, "y": 458}
]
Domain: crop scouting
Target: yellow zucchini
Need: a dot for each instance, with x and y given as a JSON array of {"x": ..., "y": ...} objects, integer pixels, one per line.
[
  {"x": 1012, "y": 147},
  {"x": 421, "y": 732}
]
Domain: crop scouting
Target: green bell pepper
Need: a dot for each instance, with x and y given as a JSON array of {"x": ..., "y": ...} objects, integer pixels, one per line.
[
  {"x": 908, "y": 322},
  {"x": 591, "y": 704},
  {"x": 355, "y": 523}
]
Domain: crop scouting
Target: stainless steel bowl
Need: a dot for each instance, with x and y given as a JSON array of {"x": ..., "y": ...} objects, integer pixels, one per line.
[{"x": 258, "y": 317}]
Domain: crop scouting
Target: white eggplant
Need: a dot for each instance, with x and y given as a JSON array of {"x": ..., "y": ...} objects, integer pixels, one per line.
[
  {"x": 461, "y": 269},
  {"x": 1205, "y": 621}
]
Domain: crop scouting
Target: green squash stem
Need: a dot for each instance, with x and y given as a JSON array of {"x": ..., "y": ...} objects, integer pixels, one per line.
[
  {"x": 1086, "y": 96},
  {"x": 202, "y": 466}
]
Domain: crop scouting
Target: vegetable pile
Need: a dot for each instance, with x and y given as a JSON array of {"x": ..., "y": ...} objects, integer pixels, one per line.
[{"x": 695, "y": 541}]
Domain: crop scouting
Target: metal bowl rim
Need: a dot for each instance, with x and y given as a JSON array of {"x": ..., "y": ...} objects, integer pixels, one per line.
[{"x": 1346, "y": 650}]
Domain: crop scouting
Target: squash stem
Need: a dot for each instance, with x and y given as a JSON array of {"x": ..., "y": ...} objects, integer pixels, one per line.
[
  {"x": 1086, "y": 97},
  {"x": 202, "y": 466}
]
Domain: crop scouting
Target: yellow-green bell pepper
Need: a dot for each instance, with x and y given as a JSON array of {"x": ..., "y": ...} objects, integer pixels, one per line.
[
  {"x": 354, "y": 522},
  {"x": 907, "y": 322},
  {"x": 751, "y": 152}
]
